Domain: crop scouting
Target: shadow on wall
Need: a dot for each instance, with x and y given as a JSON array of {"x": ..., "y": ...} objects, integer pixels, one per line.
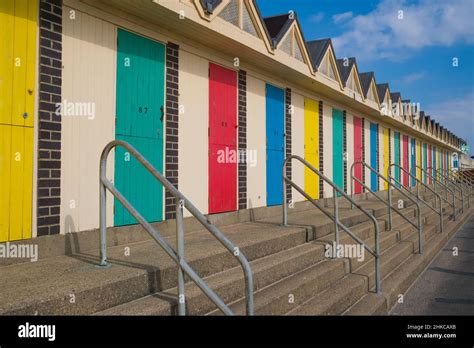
[{"x": 71, "y": 239}]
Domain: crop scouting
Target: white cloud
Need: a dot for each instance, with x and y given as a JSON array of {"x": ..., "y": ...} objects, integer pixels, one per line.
[
  {"x": 457, "y": 115},
  {"x": 316, "y": 18},
  {"x": 342, "y": 17},
  {"x": 414, "y": 77},
  {"x": 381, "y": 34}
]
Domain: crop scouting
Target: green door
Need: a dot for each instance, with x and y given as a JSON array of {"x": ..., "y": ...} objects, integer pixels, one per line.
[
  {"x": 338, "y": 149},
  {"x": 139, "y": 121}
]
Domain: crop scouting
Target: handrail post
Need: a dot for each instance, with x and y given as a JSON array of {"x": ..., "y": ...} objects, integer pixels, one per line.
[
  {"x": 441, "y": 214},
  {"x": 352, "y": 186},
  {"x": 336, "y": 220},
  {"x": 103, "y": 225},
  {"x": 420, "y": 232},
  {"x": 285, "y": 203},
  {"x": 180, "y": 247},
  {"x": 389, "y": 208}
]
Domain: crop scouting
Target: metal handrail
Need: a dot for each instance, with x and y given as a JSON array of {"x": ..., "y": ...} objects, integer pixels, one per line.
[
  {"x": 446, "y": 189},
  {"x": 460, "y": 177},
  {"x": 440, "y": 212},
  {"x": 463, "y": 183},
  {"x": 452, "y": 183},
  {"x": 335, "y": 217},
  {"x": 419, "y": 227},
  {"x": 177, "y": 257},
  {"x": 468, "y": 179}
]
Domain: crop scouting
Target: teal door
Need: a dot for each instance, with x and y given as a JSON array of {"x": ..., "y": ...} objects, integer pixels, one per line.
[
  {"x": 139, "y": 121},
  {"x": 396, "y": 151},
  {"x": 337, "y": 148}
]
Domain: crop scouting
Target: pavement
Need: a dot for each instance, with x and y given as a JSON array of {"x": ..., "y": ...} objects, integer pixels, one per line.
[{"x": 446, "y": 287}]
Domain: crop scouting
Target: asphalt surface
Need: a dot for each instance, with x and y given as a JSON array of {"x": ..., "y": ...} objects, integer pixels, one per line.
[{"x": 446, "y": 287}]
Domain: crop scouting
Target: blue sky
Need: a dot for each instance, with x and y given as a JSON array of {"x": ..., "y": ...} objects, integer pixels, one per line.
[{"x": 412, "y": 50}]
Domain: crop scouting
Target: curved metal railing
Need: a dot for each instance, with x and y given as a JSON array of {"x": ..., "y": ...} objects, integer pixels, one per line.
[
  {"x": 448, "y": 182},
  {"x": 418, "y": 226},
  {"x": 463, "y": 180},
  {"x": 437, "y": 182},
  {"x": 335, "y": 218},
  {"x": 440, "y": 212},
  {"x": 177, "y": 257}
]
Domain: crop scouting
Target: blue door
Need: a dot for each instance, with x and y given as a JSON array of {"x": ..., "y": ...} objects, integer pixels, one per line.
[
  {"x": 338, "y": 148},
  {"x": 413, "y": 160},
  {"x": 275, "y": 125},
  {"x": 373, "y": 156}
]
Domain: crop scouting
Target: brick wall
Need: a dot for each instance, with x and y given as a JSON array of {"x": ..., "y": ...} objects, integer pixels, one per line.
[
  {"x": 321, "y": 149},
  {"x": 242, "y": 138},
  {"x": 49, "y": 125},
  {"x": 288, "y": 112},
  {"x": 171, "y": 125}
]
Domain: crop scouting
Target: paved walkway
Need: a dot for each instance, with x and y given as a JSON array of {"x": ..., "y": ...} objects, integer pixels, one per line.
[{"x": 446, "y": 287}]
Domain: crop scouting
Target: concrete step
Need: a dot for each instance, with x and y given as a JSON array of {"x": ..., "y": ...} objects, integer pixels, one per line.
[
  {"x": 336, "y": 299},
  {"x": 362, "y": 229},
  {"x": 399, "y": 280},
  {"x": 369, "y": 304},
  {"x": 283, "y": 296},
  {"x": 147, "y": 269},
  {"x": 229, "y": 285}
]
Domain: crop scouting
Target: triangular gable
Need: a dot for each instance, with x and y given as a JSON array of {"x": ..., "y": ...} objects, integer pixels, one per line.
[
  {"x": 429, "y": 129},
  {"x": 369, "y": 86},
  {"x": 423, "y": 123},
  {"x": 353, "y": 82},
  {"x": 420, "y": 120},
  {"x": 350, "y": 74},
  {"x": 290, "y": 39},
  {"x": 397, "y": 107},
  {"x": 383, "y": 92},
  {"x": 328, "y": 66},
  {"x": 244, "y": 14}
]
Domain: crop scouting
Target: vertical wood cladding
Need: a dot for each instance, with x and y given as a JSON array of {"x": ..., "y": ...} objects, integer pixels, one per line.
[
  {"x": 242, "y": 110},
  {"x": 321, "y": 149},
  {"x": 172, "y": 125},
  {"x": 49, "y": 125},
  {"x": 288, "y": 113},
  {"x": 363, "y": 153},
  {"x": 344, "y": 137}
]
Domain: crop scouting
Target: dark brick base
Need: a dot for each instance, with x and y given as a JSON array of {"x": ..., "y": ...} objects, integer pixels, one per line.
[
  {"x": 288, "y": 150},
  {"x": 171, "y": 125},
  {"x": 49, "y": 125},
  {"x": 242, "y": 118}
]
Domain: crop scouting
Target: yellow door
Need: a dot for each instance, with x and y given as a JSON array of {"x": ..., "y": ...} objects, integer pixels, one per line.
[
  {"x": 17, "y": 81},
  {"x": 311, "y": 146},
  {"x": 418, "y": 160},
  {"x": 386, "y": 155}
]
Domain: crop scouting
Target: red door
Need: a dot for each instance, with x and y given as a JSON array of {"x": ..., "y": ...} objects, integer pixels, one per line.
[
  {"x": 222, "y": 139},
  {"x": 406, "y": 156},
  {"x": 357, "y": 153}
]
